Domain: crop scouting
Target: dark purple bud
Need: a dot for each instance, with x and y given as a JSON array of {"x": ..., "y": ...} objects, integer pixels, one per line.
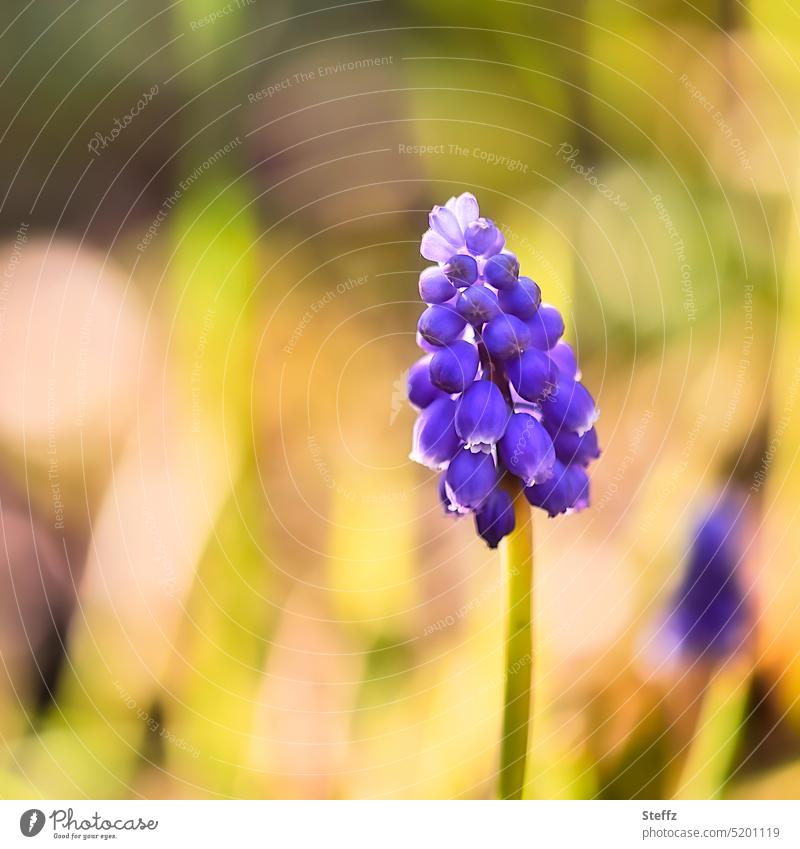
[
  {"x": 481, "y": 415},
  {"x": 564, "y": 358},
  {"x": 567, "y": 489},
  {"x": 710, "y": 616},
  {"x": 421, "y": 392},
  {"x": 441, "y": 325},
  {"x": 425, "y": 345},
  {"x": 454, "y": 368},
  {"x": 435, "y": 439},
  {"x": 434, "y": 287},
  {"x": 522, "y": 300},
  {"x": 481, "y": 236},
  {"x": 477, "y": 305},
  {"x": 506, "y": 336},
  {"x": 444, "y": 222},
  {"x": 495, "y": 519},
  {"x": 501, "y": 271},
  {"x": 533, "y": 375},
  {"x": 461, "y": 270},
  {"x": 526, "y": 449},
  {"x": 470, "y": 479},
  {"x": 547, "y": 327},
  {"x": 570, "y": 407}
]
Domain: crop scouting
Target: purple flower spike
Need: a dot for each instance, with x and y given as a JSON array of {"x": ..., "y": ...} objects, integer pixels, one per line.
[
  {"x": 522, "y": 300},
  {"x": 498, "y": 392},
  {"x": 546, "y": 327},
  {"x": 434, "y": 287},
  {"x": 461, "y": 270},
  {"x": 435, "y": 439},
  {"x": 533, "y": 375},
  {"x": 454, "y": 368},
  {"x": 501, "y": 271},
  {"x": 477, "y": 305},
  {"x": 506, "y": 336},
  {"x": 421, "y": 392},
  {"x": 495, "y": 519},
  {"x": 527, "y": 450},
  {"x": 481, "y": 416},
  {"x": 471, "y": 479},
  {"x": 570, "y": 407},
  {"x": 441, "y": 325}
]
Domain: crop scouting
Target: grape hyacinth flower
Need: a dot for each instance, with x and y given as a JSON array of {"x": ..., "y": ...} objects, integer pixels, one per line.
[
  {"x": 497, "y": 352},
  {"x": 709, "y": 618},
  {"x": 707, "y": 628},
  {"x": 503, "y": 416}
]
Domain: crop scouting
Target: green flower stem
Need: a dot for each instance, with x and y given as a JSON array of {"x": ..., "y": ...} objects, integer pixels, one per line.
[
  {"x": 713, "y": 745},
  {"x": 517, "y": 562}
]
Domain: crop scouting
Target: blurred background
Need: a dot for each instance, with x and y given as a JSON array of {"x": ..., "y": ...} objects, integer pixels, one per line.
[{"x": 221, "y": 575}]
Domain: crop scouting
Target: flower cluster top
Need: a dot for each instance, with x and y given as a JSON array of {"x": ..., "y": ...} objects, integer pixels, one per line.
[{"x": 498, "y": 392}]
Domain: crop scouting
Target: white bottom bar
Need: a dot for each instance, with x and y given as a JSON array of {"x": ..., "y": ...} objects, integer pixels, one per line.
[{"x": 385, "y": 825}]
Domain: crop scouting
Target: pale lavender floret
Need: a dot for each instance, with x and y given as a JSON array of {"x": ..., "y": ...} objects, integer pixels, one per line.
[
  {"x": 434, "y": 247},
  {"x": 444, "y": 222},
  {"x": 465, "y": 207},
  {"x": 447, "y": 224}
]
